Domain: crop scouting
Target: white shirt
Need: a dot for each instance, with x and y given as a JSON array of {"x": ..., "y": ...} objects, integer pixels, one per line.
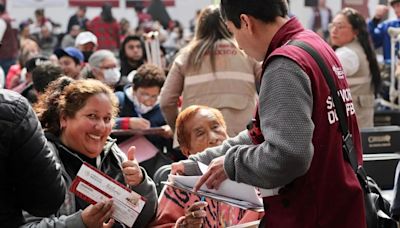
[{"x": 349, "y": 60}]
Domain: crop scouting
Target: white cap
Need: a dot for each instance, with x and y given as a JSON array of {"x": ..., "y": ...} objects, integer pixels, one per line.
[{"x": 84, "y": 38}]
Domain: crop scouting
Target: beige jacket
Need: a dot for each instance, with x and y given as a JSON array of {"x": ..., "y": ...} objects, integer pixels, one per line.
[
  {"x": 361, "y": 88},
  {"x": 231, "y": 89}
]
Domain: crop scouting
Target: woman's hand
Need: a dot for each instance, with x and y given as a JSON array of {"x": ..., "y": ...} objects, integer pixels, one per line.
[
  {"x": 95, "y": 216},
  {"x": 131, "y": 169},
  {"x": 194, "y": 216},
  {"x": 138, "y": 123}
]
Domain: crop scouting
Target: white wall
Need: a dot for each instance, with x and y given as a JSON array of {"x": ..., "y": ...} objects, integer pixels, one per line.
[{"x": 183, "y": 11}]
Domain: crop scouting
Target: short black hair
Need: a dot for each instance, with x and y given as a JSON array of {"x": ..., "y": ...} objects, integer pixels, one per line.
[
  {"x": 2, "y": 8},
  {"x": 264, "y": 10},
  {"x": 122, "y": 54},
  {"x": 43, "y": 74},
  {"x": 83, "y": 8},
  {"x": 39, "y": 12}
]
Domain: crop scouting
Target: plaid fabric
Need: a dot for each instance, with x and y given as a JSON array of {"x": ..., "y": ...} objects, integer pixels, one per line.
[{"x": 107, "y": 33}]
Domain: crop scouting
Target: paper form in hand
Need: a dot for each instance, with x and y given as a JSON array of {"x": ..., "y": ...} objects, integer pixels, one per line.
[
  {"x": 228, "y": 188},
  {"x": 263, "y": 192},
  {"x": 95, "y": 186}
]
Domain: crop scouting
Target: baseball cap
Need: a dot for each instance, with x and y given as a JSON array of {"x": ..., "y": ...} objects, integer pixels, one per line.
[
  {"x": 84, "y": 38},
  {"x": 32, "y": 63},
  {"x": 71, "y": 52}
]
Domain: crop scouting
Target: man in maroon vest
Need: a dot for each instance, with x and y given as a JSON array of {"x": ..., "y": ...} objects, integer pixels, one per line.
[
  {"x": 296, "y": 144},
  {"x": 8, "y": 39}
]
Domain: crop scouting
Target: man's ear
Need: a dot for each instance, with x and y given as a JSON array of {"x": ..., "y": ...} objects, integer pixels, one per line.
[{"x": 247, "y": 22}]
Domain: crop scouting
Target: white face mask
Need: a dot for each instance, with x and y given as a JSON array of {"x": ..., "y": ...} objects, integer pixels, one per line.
[
  {"x": 111, "y": 76},
  {"x": 142, "y": 108}
]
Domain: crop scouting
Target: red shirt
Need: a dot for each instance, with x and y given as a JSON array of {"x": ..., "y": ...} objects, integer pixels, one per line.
[
  {"x": 13, "y": 76},
  {"x": 107, "y": 33}
]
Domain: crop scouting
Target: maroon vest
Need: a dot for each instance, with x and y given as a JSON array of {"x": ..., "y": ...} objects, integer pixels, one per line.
[
  {"x": 329, "y": 194},
  {"x": 9, "y": 47}
]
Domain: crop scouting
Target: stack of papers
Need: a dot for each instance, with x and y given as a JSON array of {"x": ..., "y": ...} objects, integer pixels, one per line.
[{"x": 231, "y": 192}]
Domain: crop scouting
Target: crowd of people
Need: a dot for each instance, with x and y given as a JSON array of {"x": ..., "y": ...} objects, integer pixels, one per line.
[{"x": 236, "y": 96}]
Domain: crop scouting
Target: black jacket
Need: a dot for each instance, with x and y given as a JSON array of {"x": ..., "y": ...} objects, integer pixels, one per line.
[
  {"x": 29, "y": 175},
  {"x": 74, "y": 20}
]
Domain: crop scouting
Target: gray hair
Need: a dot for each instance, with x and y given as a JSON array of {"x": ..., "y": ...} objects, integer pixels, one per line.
[{"x": 99, "y": 56}]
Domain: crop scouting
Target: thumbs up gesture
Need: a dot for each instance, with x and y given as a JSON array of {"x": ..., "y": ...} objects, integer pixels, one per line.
[{"x": 131, "y": 169}]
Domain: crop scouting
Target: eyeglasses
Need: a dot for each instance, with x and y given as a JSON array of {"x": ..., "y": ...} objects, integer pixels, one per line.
[
  {"x": 337, "y": 26},
  {"x": 146, "y": 96}
]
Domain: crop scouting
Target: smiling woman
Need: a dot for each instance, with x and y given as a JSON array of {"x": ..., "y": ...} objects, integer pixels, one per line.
[
  {"x": 78, "y": 117},
  {"x": 87, "y": 109}
]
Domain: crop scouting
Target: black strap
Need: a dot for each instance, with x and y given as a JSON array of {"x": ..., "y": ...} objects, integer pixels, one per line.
[{"x": 347, "y": 138}]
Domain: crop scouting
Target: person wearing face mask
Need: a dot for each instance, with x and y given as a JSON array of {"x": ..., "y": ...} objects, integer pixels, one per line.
[
  {"x": 103, "y": 66},
  {"x": 139, "y": 106},
  {"x": 86, "y": 42}
]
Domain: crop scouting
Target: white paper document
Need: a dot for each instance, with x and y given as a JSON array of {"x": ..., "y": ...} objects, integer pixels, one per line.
[
  {"x": 228, "y": 188},
  {"x": 94, "y": 186}
]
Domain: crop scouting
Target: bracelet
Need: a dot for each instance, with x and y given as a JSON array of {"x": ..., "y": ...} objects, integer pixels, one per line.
[{"x": 125, "y": 123}]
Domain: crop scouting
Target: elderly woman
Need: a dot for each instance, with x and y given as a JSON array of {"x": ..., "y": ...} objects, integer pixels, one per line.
[
  {"x": 349, "y": 36},
  {"x": 199, "y": 127},
  {"x": 78, "y": 117},
  {"x": 103, "y": 66}
]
